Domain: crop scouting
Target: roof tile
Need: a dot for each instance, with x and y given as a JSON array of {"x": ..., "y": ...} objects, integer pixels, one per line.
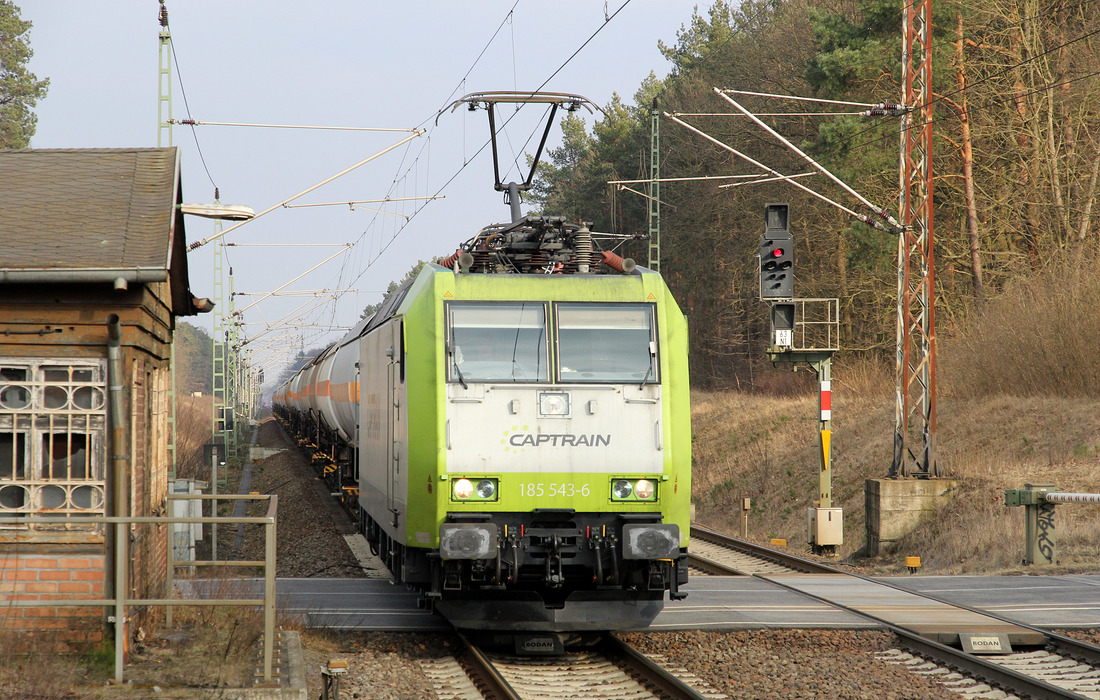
[{"x": 65, "y": 209}]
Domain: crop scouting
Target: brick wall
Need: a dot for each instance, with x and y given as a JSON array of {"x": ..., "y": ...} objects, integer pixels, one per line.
[{"x": 49, "y": 577}]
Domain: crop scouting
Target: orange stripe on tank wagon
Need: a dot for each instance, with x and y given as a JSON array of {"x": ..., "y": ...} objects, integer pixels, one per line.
[
  {"x": 345, "y": 393},
  {"x": 322, "y": 388}
]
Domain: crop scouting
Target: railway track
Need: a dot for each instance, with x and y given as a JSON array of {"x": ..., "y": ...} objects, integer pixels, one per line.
[
  {"x": 609, "y": 670},
  {"x": 717, "y": 554},
  {"x": 1054, "y": 671},
  {"x": 1057, "y": 667}
]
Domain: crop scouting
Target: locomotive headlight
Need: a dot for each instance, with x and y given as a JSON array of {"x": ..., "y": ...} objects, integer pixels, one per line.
[
  {"x": 633, "y": 490},
  {"x": 554, "y": 404},
  {"x": 470, "y": 490},
  {"x": 621, "y": 489},
  {"x": 463, "y": 489},
  {"x": 486, "y": 488}
]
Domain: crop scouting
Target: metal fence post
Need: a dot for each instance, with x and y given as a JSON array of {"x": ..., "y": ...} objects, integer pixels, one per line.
[
  {"x": 121, "y": 584},
  {"x": 119, "y": 598},
  {"x": 170, "y": 574},
  {"x": 269, "y": 593}
]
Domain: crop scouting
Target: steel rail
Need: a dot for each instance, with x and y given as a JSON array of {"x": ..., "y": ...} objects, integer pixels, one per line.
[
  {"x": 712, "y": 567},
  {"x": 1088, "y": 653},
  {"x": 1084, "y": 652},
  {"x": 1004, "y": 678},
  {"x": 970, "y": 664},
  {"x": 782, "y": 558},
  {"x": 646, "y": 671},
  {"x": 483, "y": 674}
]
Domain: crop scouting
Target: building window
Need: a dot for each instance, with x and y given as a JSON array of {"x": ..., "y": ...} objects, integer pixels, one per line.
[{"x": 53, "y": 418}]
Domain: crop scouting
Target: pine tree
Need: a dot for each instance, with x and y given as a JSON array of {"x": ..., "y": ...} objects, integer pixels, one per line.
[{"x": 19, "y": 88}]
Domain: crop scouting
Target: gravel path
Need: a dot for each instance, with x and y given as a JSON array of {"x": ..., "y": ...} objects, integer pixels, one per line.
[{"x": 311, "y": 529}]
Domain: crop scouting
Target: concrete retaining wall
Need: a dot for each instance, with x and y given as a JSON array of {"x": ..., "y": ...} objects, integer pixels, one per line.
[{"x": 894, "y": 507}]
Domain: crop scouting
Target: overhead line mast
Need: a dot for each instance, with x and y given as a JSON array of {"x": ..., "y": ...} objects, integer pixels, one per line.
[
  {"x": 164, "y": 139},
  {"x": 915, "y": 408}
]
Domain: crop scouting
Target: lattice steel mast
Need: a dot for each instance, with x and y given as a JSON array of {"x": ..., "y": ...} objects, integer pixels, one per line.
[
  {"x": 164, "y": 138},
  {"x": 222, "y": 411},
  {"x": 915, "y": 409}
]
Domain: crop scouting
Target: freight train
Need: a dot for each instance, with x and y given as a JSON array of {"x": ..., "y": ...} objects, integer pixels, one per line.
[{"x": 513, "y": 429}]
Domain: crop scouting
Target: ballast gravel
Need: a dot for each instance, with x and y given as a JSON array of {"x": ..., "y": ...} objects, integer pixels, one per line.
[
  {"x": 311, "y": 527},
  {"x": 764, "y": 664}
]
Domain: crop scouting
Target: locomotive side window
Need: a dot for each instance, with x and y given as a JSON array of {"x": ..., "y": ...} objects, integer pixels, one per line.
[
  {"x": 606, "y": 343},
  {"x": 493, "y": 342}
]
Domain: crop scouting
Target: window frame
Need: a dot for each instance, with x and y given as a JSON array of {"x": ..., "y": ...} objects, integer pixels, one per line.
[
  {"x": 449, "y": 366},
  {"x": 44, "y": 425},
  {"x": 654, "y": 339}
]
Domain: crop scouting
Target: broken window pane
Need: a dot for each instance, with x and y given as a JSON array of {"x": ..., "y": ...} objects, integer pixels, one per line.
[
  {"x": 13, "y": 455},
  {"x": 59, "y": 454}
]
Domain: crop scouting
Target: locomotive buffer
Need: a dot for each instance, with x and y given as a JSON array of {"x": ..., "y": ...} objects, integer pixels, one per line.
[{"x": 803, "y": 330}]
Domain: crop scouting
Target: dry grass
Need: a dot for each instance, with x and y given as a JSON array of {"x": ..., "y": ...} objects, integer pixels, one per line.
[
  {"x": 1041, "y": 336},
  {"x": 29, "y": 673},
  {"x": 765, "y": 448},
  {"x": 208, "y": 647},
  {"x": 193, "y": 430}
]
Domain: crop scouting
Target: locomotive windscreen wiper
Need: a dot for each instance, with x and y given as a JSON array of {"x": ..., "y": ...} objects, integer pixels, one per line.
[
  {"x": 649, "y": 369},
  {"x": 456, "y": 360},
  {"x": 516, "y": 365}
]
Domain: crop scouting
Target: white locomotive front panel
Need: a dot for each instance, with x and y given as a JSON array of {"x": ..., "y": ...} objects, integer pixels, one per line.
[{"x": 575, "y": 429}]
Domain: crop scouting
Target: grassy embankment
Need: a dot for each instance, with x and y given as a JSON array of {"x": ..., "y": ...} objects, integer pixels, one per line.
[{"x": 1019, "y": 401}]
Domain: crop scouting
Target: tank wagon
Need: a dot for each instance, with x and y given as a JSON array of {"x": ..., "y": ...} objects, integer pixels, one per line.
[{"x": 515, "y": 423}]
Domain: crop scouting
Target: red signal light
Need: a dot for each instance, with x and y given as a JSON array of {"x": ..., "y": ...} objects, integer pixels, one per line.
[{"x": 778, "y": 252}]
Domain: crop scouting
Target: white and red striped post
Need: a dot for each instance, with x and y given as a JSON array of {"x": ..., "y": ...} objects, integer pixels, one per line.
[{"x": 825, "y": 400}]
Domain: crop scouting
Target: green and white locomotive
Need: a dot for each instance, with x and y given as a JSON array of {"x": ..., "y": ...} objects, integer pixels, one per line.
[{"x": 522, "y": 444}]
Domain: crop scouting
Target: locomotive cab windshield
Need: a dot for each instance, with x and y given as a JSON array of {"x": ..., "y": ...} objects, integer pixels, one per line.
[
  {"x": 498, "y": 343},
  {"x": 593, "y": 343},
  {"x": 609, "y": 343}
]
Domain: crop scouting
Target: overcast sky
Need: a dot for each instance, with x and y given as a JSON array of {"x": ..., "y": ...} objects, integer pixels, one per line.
[{"x": 331, "y": 63}]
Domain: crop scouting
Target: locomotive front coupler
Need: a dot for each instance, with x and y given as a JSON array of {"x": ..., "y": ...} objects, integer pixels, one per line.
[{"x": 554, "y": 574}]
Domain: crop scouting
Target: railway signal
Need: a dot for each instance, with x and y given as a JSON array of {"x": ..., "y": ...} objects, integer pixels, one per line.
[
  {"x": 783, "y": 324},
  {"x": 776, "y": 254},
  {"x": 803, "y": 330}
]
